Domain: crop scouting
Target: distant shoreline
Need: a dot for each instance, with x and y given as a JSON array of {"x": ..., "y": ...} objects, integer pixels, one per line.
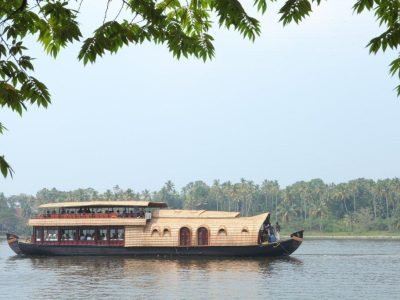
[
  {"x": 312, "y": 235},
  {"x": 350, "y": 237}
]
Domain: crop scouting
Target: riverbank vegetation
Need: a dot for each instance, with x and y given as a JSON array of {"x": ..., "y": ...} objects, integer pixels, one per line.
[{"x": 361, "y": 206}]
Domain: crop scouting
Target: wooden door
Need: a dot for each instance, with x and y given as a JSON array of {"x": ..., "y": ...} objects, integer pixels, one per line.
[
  {"x": 202, "y": 236},
  {"x": 184, "y": 237}
]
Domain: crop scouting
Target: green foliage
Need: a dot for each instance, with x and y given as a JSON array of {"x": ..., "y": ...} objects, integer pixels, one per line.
[
  {"x": 169, "y": 195},
  {"x": 261, "y": 5},
  {"x": 58, "y": 26},
  {"x": 387, "y": 13},
  {"x": 5, "y": 168},
  {"x": 10, "y": 221},
  {"x": 183, "y": 26},
  {"x": 111, "y": 36},
  {"x": 232, "y": 14},
  {"x": 295, "y": 10}
]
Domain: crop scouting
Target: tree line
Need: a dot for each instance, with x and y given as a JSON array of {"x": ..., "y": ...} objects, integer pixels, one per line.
[{"x": 355, "y": 206}]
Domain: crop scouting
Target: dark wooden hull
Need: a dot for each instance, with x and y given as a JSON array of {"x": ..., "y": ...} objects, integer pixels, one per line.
[{"x": 281, "y": 248}]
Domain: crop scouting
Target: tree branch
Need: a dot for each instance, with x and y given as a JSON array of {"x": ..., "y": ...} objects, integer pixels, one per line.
[{"x": 19, "y": 9}]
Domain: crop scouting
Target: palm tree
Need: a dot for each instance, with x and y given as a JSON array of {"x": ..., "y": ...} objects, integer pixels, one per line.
[
  {"x": 341, "y": 193},
  {"x": 384, "y": 192},
  {"x": 287, "y": 208},
  {"x": 216, "y": 194},
  {"x": 146, "y": 195},
  {"x": 372, "y": 190},
  {"x": 270, "y": 190},
  {"x": 108, "y": 195}
]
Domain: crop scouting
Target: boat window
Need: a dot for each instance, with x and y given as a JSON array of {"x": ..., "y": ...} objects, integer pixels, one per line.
[
  {"x": 155, "y": 232},
  {"x": 87, "y": 234},
  {"x": 116, "y": 234},
  {"x": 68, "y": 234},
  {"x": 245, "y": 230},
  {"x": 166, "y": 232},
  {"x": 103, "y": 234},
  {"x": 222, "y": 232},
  {"x": 51, "y": 235},
  {"x": 202, "y": 236},
  {"x": 38, "y": 234}
]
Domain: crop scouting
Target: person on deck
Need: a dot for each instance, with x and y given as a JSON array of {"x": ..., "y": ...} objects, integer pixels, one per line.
[
  {"x": 277, "y": 227},
  {"x": 272, "y": 237},
  {"x": 278, "y": 230}
]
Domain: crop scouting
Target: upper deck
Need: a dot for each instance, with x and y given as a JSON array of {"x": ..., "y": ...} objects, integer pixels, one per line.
[
  {"x": 90, "y": 212},
  {"x": 97, "y": 209}
]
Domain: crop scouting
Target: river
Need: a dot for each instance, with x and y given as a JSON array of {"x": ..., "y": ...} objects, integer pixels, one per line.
[{"x": 319, "y": 269}]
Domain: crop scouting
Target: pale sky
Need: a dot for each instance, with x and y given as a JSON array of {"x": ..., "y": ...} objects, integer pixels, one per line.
[{"x": 301, "y": 102}]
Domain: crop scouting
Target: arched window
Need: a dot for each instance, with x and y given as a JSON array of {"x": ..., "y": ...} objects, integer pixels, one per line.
[
  {"x": 166, "y": 232},
  {"x": 155, "y": 232},
  {"x": 185, "y": 237},
  {"x": 202, "y": 236},
  {"x": 222, "y": 232},
  {"x": 245, "y": 230}
]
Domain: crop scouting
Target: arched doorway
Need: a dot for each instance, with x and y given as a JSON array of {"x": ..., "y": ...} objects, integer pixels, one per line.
[
  {"x": 184, "y": 237},
  {"x": 202, "y": 236}
]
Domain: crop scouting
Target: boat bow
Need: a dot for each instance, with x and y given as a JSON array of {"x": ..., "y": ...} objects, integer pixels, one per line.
[
  {"x": 12, "y": 241},
  {"x": 298, "y": 235}
]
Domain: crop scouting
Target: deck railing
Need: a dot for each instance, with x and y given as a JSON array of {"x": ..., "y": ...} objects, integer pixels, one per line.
[
  {"x": 80, "y": 242},
  {"x": 137, "y": 215}
]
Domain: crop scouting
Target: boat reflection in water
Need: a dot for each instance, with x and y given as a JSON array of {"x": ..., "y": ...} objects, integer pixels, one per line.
[
  {"x": 124, "y": 277},
  {"x": 85, "y": 266}
]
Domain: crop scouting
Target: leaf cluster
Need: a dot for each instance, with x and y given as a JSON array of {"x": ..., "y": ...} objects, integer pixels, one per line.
[
  {"x": 387, "y": 13},
  {"x": 55, "y": 25},
  {"x": 295, "y": 10},
  {"x": 182, "y": 25}
]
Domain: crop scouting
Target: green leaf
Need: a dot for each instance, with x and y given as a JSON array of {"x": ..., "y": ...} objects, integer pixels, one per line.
[
  {"x": 261, "y": 5},
  {"x": 5, "y": 168},
  {"x": 2, "y": 128}
]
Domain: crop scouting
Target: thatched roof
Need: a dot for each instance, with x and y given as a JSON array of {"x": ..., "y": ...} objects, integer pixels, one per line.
[
  {"x": 180, "y": 213},
  {"x": 99, "y": 203}
]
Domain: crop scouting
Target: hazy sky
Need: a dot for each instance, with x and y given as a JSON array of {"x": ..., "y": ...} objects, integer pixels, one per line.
[{"x": 306, "y": 101}]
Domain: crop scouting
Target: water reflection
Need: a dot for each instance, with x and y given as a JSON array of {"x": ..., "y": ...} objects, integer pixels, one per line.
[
  {"x": 90, "y": 265},
  {"x": 121, "y": 277}
]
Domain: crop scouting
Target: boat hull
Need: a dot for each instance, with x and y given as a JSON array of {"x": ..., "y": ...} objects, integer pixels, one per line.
[{"x": 281, "y": 248}]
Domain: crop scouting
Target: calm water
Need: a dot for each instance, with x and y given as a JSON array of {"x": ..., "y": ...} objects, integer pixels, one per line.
[{"x": 328, "y": 269}]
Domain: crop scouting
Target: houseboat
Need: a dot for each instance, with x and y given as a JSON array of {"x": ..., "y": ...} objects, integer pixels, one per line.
[{"x": 144, "y": 228}]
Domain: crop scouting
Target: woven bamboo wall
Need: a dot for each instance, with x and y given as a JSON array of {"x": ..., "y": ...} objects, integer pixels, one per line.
[
  {"x": 165, "y": 231},
  {"x": 88, "y": 222}
]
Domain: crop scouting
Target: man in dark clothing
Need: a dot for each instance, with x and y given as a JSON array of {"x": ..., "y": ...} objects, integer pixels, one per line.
[{"x": 277, "y": 227}]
